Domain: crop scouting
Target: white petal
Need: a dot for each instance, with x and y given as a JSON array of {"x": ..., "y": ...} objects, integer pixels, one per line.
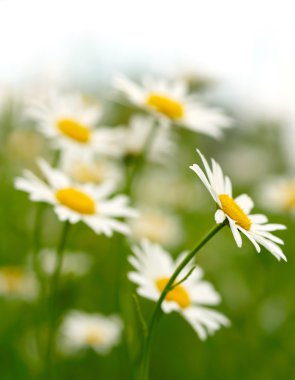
[
  {"x": 252, "y": 239},
  {"x": 245, "y": 202},
  {"x": 236, "y": 233},
  {"x": 55, "y": 178},
  {"x": 219, "y": 216},
  {"x": 205, "y": 181},
  {"x": 258, "y": 218}
]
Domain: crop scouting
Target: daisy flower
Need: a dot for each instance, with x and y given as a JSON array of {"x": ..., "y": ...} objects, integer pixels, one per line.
[
  {"x": 136, "y": 134},
  {"x": 153, "y": 269},
  {"x": 69, "y": 122},
  {"x": 236, "y": 211},
  {"x": 73, "y": 202},
  {"x": 89, "y": 169},
  {"x": 17, "y": 282},
  {"x": 278, "y": 194},
  {"x": 158, "y": 226},
  {"x": 171, "y": 102},
  {"x": 74, "y": 263},
  {"x": 81, "y": 330}
]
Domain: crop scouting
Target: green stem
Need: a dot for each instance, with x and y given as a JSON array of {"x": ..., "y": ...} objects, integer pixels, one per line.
[
  {"x": 144, "y": 368},
  {"x": 37, "y": 235},
  {"x": 54, "y": 284},
  {"x": 141, "y": 158}
]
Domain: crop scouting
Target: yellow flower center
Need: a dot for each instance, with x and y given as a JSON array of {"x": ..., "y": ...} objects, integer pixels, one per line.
[
  {"x": 234, "y": 211},
  {"x": 93, "y": 337},
  {"x": 177, "y": 294},
  {"x": 74, "y": 130},
  {"x": 167, "y": 106},
  {"x": 76, "y": 200}
]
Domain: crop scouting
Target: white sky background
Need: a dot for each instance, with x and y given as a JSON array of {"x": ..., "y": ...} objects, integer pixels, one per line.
[{"x": 248, "y": 45}]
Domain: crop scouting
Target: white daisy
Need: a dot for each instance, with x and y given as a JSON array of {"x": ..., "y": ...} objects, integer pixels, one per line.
[
  {"x": 69, "y": 121},
  {"x": 78, "y": 202},
  {"x": 74, "y": 263},
  {"x": 153, "y": 269},
  {"x": 278, "y": 194},
  {"x": 81, "y": 330},
  {"x": 89, "y": 169},
  {"x": 158, "y": 226},
  {"x": 136, "y": 134},
  {"x": 17, "y": 282},
  {"x": 171, "y": 102},
  {"x": 236, "y": 211}
]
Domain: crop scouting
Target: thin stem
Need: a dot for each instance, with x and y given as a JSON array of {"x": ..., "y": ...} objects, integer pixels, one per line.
[
  {"x": 144, "y": 368},
  {"x": 54, "y": 284},
  {"x": 141, "y": 158},
  {"x": 37, "y": 236},
  {"x": 125, "y": 303}
]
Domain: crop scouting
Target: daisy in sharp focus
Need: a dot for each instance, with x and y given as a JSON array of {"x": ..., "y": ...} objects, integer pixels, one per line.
[
  {"x": 69, "y": 122},
  {"x": 153, "y": 268},
  {"x": 73, "y": 202},
  {"x": 81, "y": 330},
  {"x": 171, "y": 102},
  {"x": 236, "y": 211}
]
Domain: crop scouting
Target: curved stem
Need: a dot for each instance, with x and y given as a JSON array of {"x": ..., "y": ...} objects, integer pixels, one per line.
[
  {"x": 144, "y": 368},
  {"x": 54, "y": 282}
]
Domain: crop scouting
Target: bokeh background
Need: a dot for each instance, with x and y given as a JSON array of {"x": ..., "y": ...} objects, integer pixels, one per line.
[{"x": 239, "y": 55}]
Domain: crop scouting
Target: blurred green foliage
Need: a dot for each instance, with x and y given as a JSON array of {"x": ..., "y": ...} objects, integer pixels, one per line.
[{"x": 257, "y": 291}]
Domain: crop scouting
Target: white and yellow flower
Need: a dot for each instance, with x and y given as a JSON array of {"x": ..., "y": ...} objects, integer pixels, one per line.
[
  {"x": 81, "y": 330},
  {"x": 90, "y": 169},
  {"x": 236, "y": 211},
  {"x": 153, "y": 268},
  {"x": 278, "y": 194},
  {"x": 17, "y": 282},
  {"x": 171, "y": 102},
  {"x": 73, "y": 202},
  {"x": 136, "y": 134},
  {"x": 158, "y": 226},
  {"x": 69, "y": 122},
  {"x": 74, "y": 263}
]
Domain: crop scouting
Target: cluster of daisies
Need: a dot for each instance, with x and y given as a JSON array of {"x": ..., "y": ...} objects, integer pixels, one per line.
[{"x": 88, "y": 184}]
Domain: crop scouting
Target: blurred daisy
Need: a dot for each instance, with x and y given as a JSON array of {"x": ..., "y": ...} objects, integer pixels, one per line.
[
  {"x": 157, "y": 226},
  {"x": 78, "y": 202},
  {"x": 81, "y": 330},
  {"x": 77, "y": 264},
  {"x": 153, "y": 268},
  {"x": 68, "y": 120},
  {"x": 236, "y": 211},
  {"x": 25, "y": 144},
  {"x": 278, "y": 194},
  {"x": 90, "y": 169},
  {"x": 136, "y": 134},
  {"x": 17, "y": 282},
  {"x": 171, "y": 102}
]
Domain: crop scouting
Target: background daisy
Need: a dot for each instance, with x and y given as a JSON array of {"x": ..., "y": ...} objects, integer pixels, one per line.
[
  {"x": 80, "y": 330},
  {"x": 170, "y": 101},
  {"x": 69, "y": 122},
  {"x": 76, "y": 202},
  {"x": 153, "y": 268}
]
